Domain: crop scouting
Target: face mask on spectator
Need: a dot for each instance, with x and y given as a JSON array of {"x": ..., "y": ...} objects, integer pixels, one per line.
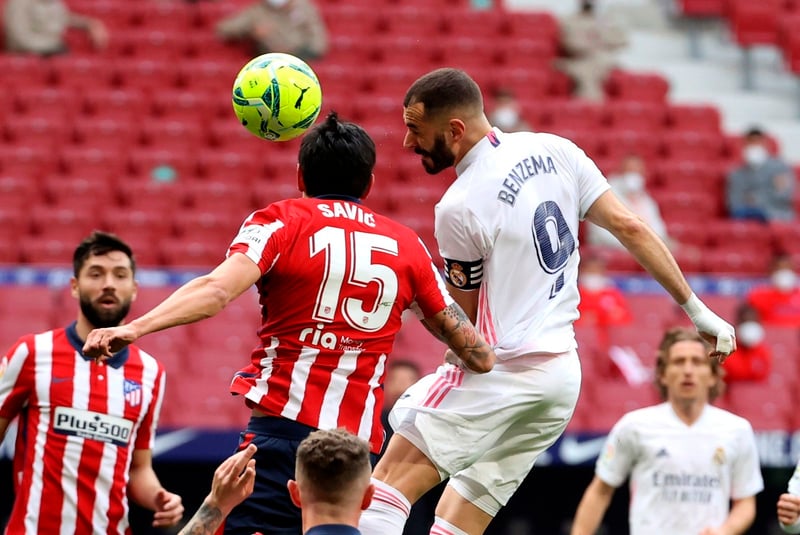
[
  {"x": 750, "y": 333},
  {"x": 784, "y": 279},
  {"x": 505, "y": 118},
  {"x": 633, "y": 181},
  {"x": 276, "y": 3},
  {"x": 593, "y": 282},
  {"x": 755, "y": 155}
]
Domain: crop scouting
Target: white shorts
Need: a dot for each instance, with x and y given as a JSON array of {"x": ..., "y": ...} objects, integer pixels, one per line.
[{"x": 486, "y": 431}]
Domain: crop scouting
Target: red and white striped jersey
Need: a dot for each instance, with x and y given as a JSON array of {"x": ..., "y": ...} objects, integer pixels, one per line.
[
  {"x": 79, "y": 424},
  {"x": 337, "y": 278}
]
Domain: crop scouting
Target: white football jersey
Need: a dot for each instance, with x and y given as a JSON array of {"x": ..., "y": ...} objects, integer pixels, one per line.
[
  {"x": 508, "y": 227},
  {"x": 682, "y": 477}
]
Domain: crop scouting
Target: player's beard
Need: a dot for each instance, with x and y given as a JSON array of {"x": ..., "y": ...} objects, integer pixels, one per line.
[
  {"x": 101, "y": 318},
  {"x": 440, "y": 155}
]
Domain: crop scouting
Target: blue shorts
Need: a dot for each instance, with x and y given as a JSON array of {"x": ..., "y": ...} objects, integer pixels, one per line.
[{"x": 269, "y": 509}]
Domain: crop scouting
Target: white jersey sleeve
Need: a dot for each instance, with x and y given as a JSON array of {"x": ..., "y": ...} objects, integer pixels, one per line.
[
  {"x": 746, "y": 477},
  {"x": 619, "y": 454}
]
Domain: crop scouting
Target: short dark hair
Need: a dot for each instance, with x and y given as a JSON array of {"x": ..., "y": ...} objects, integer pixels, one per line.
[
  {"x": 330, "y": 461},
  {"x": 682, "y": 334},
  {"x": 754, "y": 132},
  {"x": 445, "y": 89},
  {"x": 99, "y": 243},
  {"x": 337, "y": 157}
]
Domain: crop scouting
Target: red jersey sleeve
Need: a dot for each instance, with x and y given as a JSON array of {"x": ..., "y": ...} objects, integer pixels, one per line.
[
  {"x": 431, "y": 293},
  {"x": 16, "y": 378},
  {"x": 261, "y": 235}
]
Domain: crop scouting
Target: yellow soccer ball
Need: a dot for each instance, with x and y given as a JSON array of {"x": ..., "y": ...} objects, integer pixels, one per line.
[{"x": 276, "y": 96}]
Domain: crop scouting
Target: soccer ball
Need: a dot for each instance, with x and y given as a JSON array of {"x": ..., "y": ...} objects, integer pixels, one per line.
[{"x": 276, "y": 96}]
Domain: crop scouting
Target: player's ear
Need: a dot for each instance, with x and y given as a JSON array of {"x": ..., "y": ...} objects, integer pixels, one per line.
[
  {"x": 369, "y": 186},
  {"x": 301, "y": 183},
  {"x": 457, "y": 129},
  {"x": 367, "y": 499},
  {"x": 73, "y": 286},
  {"x": 294, "y": 492}
]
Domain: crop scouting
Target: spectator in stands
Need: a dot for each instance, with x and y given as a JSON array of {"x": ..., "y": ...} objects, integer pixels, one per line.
[
  {"x": 40, "y": 27},
  {"x": 778, "y": 302},
  {"x": 291, "y": 26},
  {"x": 762, "y": 188},
  {"x": 589, "y": 44},
  {"x": 685, "y": 482},
  {"x": 400, "y": 374},
  {"x": 630, "y": 185},
  {"x": 602, "y": 304},
  {"x": 753, "y": 360},
  {"x": 507, "y": 112}
]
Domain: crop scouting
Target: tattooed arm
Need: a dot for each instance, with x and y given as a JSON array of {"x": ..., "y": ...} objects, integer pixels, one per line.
[
  {"x": 452, "y": 326},
  {"x": 233, "y": 482}
]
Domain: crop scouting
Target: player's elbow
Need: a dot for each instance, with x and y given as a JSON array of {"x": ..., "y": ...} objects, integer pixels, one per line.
[
  {"x": 629, "y": 228},
  {"x": 216, "y": 296}
]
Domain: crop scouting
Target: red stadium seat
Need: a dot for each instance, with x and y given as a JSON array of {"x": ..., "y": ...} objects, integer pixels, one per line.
[
  {"x": 77, "y": 161},
  {"x": 647, "y": 87},
  {"x": 691, "y": 145},
  {"x": 683, "y": 206},
  {"x": 571, "y": 115},
  {"x": 172, "y": 134},
  {"x": 61, "y": 189},
  {"x": 40, "y": 129},
  {"x": 46, "y": 251},
  {"x": 766, "y": 408},
  {"x": 143, "y": 160},
  {"x": 31, "y": 161},
  {"x": 688, "y": 175},
  {"x": 226, "y": 196},
  {"x": 47, "y": 101},
  {"x": 626, "y": 142},
  {"x": 745, "y": 234},
  {"x": 173, "y": 17},
  {"x": 24, "y": 71},
  {"x": 103, "y": 133},
  {"x": 15, "y": 220},
  {"x": 148, "y": 226},
  {"x": 148, "y": 75},
  {"x": 754, "y": 23},
  {"x": 145, "y": 194},
  {"x": 83, "y": 72},
  {"x": 532, "y": 53},
  {"x": 18, "y": 191},
  {"x": 416, "y": 21},
  {"x": 634, "y": 115},
  {"x": 743, "y": 259},
  {"x": 695, "y": 118},
  {"x": 703, "y": 8},
  {"x": 467, "y": 53},
  {"x": 124, "y": 105},
  {"x": 234, "y": 167},
  {"x": 193, "y": 253},
  {"x": 785, "y": 235}
]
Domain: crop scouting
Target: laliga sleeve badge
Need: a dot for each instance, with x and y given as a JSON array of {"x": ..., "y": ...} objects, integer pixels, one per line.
[{"x": 457, "y": 276}]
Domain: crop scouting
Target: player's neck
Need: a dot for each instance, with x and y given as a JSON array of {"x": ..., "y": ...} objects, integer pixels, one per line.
[
  {"x": 688, "y": 410},
  {"x": 313, "y": 518}
]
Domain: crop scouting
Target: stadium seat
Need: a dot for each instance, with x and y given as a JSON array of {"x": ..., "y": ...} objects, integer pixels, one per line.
[
  {"x": 532, "y": 53},
  {"x": 142, "y": 193},
  {"x": 77, "y": 161},
  {"x": 18, "y": 70},
  {"x": 60, "y": 190},
  {"x": 764, "y": 407},
  {"x": 695, "y": 118},
  {"x": 635, "y": 116},
  {"x": 415, "y": 21},
  {"x": 143, "y": 160},
  {"x": 221, "y": 195},
  {"x": 702, "y": 8},
  {"x": 754, "y": 23},
  {"x": 688, "y": 175},
  {"x": 691, "y": 145},
  {"x": 32, "y": 161},
  {"x": 124, "y": 105},
  {"x": 682, "y": 206},
  {"x": 785, "y": 235},
  {"x": 18, "y": 191},
  {"x": 15, "y": 219},
  {"x": 145, "y": 74},
  {"x": 234, "y": 167},
  {"x": 745, "y": 234},
  {"x": 79, "y": 73},
  {"x": 50, "y": 101},
  {"x": 741, "y": 259},
  {"x": 193, "y": 253},
  {"x": 626, "y": 142},
  {"x": 571, "y": 114},
  {"x": 104, "y": 133},
  {"x": 648, "y": 87},
  {"x": 170, "y": 133}
]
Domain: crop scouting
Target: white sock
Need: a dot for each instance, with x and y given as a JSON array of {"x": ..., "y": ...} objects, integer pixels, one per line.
[
  {"x": 443, "y": 527},
  {"x": 388, "y": 512}
]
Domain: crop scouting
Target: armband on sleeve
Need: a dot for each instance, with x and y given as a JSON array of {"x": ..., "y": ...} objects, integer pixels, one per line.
[{"x": 464, "y": 275}]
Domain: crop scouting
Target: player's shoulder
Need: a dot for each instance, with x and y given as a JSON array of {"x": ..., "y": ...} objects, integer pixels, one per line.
[
  {"x": 718, "y": 416},
  {"x": 148, "y": 361},
  {"x": 545, "y": 139}
]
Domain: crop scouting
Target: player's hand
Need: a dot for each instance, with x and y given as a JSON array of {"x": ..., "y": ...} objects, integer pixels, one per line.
[
  {"x": 788, "y": 509},
  {"x": 718, "y": 332},
  {"x": 233, "y": 480},
  {"x": 169, "y": 509},
  {"x": 476, "y": 363},
  {"x": 102, "y": 344}
]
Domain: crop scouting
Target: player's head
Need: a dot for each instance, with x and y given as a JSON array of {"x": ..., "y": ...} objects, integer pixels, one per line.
[
  {"x": 400, "y": 374},
  {"x": 684, "y": 369},
  {"x": 336, "y": 158},
  {"x": 332, "y": 474},
  {"x": 103, "y": 279},
  {"x": 439, "y": 109}
]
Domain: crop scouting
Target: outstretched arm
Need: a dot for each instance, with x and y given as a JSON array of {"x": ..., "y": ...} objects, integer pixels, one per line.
[
  {"x": 592, "y": 508},
  {"x": 233, "y": 482},
  {"x": 452, "y": 326},
  {"x": 145, "y": 489},
  {"x": 652, "y": 253},
  {"x": 198, "y": 299}
]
